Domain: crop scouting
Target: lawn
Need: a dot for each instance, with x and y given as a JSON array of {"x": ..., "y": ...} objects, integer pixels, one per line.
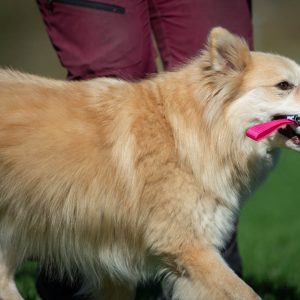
[
  {"x": 269, "y": 234},
  {"x": 269, "y": 237}
]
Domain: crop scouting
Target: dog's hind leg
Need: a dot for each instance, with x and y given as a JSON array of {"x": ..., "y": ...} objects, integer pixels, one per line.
[{"x": 8, "y": 289}]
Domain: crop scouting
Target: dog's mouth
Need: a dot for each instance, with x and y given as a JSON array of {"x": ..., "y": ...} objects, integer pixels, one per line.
[{"x": 291, "y": 132}]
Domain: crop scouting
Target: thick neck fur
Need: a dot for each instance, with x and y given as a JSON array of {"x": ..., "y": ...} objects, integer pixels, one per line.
[{"x": 205, "y": 139}]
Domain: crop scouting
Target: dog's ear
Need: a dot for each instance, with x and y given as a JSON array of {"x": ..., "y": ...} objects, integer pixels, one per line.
[{"x": 227, "y": 52}]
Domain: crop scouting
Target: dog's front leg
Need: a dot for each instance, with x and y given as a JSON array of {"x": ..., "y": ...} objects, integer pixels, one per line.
[
  {"x": 206, "y": 276},
  {"x": 199, "y": 272},
  {"x": 181, "y": 227}
]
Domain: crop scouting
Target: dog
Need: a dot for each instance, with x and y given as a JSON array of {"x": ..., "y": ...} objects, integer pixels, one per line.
[{"x": 128, "y": 180}]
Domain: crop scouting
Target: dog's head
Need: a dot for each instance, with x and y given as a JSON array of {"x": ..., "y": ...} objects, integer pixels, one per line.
[{"x": 256, "y": 87}]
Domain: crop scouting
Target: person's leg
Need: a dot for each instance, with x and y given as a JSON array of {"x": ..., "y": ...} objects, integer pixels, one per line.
[
  {"x": 181, "y": 26},
  {"x": 53, "y": 289},
  {"x": 111, "y": 39},
  {"x": 232, "y": 256}
]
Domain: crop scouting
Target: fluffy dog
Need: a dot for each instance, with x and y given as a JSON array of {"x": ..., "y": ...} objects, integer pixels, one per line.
[{"x": 127, "y": 180}]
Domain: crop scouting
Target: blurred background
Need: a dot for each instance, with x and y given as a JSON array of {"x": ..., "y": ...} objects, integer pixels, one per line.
[{"x": 269, "y": 233}]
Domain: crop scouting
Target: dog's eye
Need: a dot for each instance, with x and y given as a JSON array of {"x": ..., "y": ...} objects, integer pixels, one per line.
[{"x": 284, "y": 85}]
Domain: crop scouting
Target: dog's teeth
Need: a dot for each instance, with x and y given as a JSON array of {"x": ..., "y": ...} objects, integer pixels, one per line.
[{"x": 297, "y": 130}]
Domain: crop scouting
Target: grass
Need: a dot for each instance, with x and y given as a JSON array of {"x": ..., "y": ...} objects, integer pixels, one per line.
[
  {"x": 269, "y": 237},
  {"x": 269, "y": 233},
  {"x": 25, "y": 279}
]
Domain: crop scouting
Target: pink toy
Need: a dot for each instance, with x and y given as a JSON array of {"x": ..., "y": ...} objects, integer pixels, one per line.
[{"x": 261, "y": 131}]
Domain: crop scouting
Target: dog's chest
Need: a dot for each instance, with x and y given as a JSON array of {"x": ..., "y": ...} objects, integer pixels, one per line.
[
  {"x": 216, "y": 213},
  {"x": 214, "y": 222}
]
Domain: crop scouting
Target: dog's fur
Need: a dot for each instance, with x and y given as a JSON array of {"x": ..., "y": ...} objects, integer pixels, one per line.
[{"x": 123, "y": 180}]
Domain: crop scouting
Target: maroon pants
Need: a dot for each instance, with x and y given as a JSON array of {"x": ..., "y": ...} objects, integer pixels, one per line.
[
  {"x": 94, "y": 39},
  {"x": 115, "y": 38}
]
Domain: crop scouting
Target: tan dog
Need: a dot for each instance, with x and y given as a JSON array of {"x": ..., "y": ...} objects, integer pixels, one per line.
[{"x": 126, "y": 180}]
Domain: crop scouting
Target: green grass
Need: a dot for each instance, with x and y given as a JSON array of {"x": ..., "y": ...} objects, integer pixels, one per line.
[
  {"x": 25, "y": 279},
  {"x": 269, "y": 233},
  {"x": 269, "y": 237}
]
